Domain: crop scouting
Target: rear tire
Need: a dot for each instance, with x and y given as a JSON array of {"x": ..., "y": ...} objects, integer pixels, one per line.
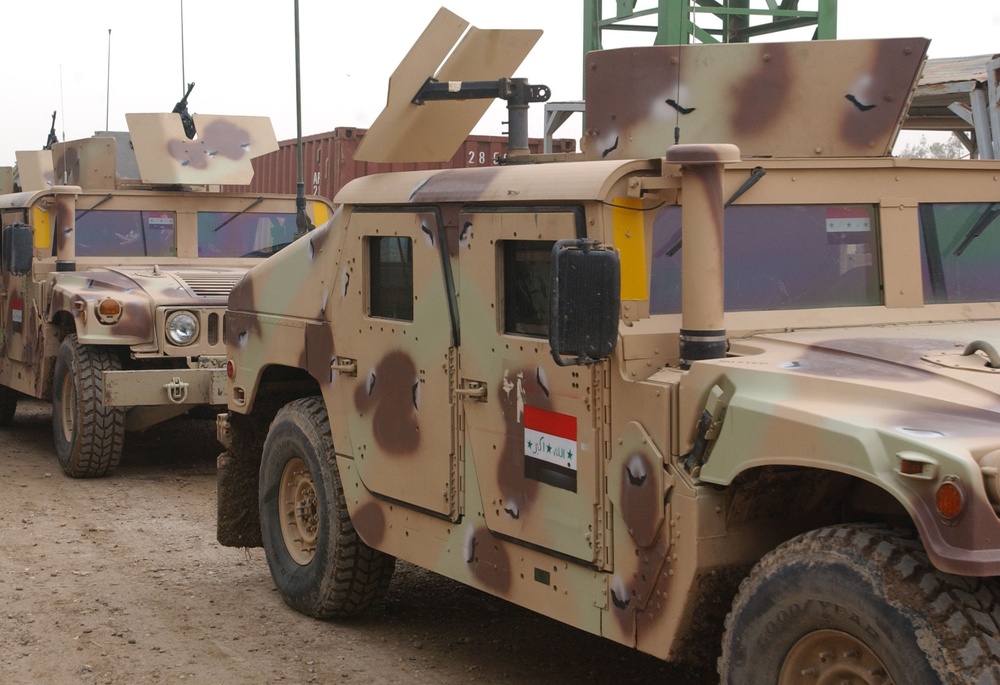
[
  {"x": 88, "y": 436},
  {"x": 860, "y": 604},
  {"x": 319, "y": 564},
  {"x": 8, "y": 405}
]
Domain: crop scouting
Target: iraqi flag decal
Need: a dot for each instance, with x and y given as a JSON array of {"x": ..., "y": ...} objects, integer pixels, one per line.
[{"x": 550, "y": 447}]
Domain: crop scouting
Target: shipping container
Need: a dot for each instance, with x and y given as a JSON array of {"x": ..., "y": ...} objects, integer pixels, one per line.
[{"x": 328, "y": 162}]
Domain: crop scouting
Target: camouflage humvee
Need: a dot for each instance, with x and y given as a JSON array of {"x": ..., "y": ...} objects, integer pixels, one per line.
[
  {"x": 115, "y": 270},
  {"x": 738, "y": 399}
]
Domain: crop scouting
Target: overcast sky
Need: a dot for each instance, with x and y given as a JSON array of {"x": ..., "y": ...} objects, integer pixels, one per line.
[{"x": 240, "y": 53}]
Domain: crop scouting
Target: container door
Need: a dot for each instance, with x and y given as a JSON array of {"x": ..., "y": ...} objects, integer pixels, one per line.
[
  {"x": 532, "y": 428},
  {"x": 402, "y": 423}
]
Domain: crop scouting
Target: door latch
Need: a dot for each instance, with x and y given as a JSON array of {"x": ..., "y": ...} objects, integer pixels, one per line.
[
  {"x": 473, "y": 390},
  {"x": 348, "y": 367}
]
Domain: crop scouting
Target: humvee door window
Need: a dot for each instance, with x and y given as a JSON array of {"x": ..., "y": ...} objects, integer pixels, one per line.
[
  {"x": 778, "y": 257},
  {"x": 390, "y": 269},
  {"x": 960, "y": 246},
  {"x": 251, "y": 234},
  {"x": 526, "y": 286},
  {"x": 115, "y": 233}
]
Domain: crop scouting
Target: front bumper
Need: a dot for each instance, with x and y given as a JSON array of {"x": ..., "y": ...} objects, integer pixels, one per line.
[{"x": 165, "y": 387}]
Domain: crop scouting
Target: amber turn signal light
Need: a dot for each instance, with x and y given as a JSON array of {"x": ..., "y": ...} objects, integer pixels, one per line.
[{"x": 950, "y": 499}]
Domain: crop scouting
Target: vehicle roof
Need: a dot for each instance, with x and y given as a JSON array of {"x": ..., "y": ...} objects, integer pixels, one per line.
[{"x": 550, "y": 183}]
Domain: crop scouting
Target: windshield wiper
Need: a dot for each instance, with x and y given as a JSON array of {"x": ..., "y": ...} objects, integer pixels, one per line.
[
  {"x": 240, "y": 213},
  {"x": 982, "y": 223},
  {"x": 96, "y": 205},
  {"x": 755, "y": 175}
]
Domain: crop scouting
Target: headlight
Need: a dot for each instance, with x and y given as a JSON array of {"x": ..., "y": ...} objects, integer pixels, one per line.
[{"x": 182, "y": 328}]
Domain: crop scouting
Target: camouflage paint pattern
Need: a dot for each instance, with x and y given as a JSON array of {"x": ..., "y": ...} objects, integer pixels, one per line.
[
  {"x": 667, "y": 506},
  {"x": 810, "y": 99}
]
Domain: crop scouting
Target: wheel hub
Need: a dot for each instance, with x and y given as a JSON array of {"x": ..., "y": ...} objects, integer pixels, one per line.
[
  {"x": 832, "y": 657},
  {"x": 299, "y": 511}
]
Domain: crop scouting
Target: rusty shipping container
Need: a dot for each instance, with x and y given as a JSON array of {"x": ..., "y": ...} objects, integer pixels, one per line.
[{"x": 328, "y": 161}]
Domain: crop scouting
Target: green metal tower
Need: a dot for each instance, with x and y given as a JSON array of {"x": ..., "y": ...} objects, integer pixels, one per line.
[{"x": 679, "y": 22}]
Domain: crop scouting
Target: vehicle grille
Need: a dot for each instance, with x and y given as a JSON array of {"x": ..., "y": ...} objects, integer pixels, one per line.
[{"x": 210, "y": 285}]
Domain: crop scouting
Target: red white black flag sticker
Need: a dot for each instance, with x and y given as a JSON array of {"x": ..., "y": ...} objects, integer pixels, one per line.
[{"x": 550, "y": 447}]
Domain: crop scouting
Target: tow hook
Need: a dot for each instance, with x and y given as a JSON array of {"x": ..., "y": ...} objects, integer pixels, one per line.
[{"x": 177, "y": 390}]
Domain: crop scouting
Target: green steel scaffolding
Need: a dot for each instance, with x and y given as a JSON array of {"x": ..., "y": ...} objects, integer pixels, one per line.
[{"x": 679, "y": 22}]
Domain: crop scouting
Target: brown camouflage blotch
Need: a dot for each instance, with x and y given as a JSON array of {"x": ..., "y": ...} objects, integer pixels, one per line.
[
  {"x": 369, "y": 522},
  {"x": 394, "y": 424},
  {"x": 488, "y": 561},
  {"x": 760, "y": 98}
]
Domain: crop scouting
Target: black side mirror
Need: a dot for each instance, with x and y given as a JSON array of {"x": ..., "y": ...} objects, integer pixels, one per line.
[
  {"x": 18, "y": 246},
  {"x": 584, "y": 302}
]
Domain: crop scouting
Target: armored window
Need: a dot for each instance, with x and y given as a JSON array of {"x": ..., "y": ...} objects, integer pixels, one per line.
[
  {"x": 526, "y": 286},
  {"x": 390, "y": 269},
  {"x": 779, "y": 257},
  {"x": 960, "y": 245},
  {"x": 253, "y": 234},
  {"x": 116, "y": 233}
]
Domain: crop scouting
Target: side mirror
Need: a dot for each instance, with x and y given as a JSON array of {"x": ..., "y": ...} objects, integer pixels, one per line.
[
  {"x": 18, "y": 248},
  {"x": 584, "y": 302}
]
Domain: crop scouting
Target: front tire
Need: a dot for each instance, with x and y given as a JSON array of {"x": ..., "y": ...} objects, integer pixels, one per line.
[
  {"x": 88, "y": 436},
  {"x": 319, "y": 564},
  {"x": 860, "y": 604}
]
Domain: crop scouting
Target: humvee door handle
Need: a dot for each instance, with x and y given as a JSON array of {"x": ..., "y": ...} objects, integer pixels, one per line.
[
  {"x": 348, "y": 367},
  {"x": 473, "y": 390}
]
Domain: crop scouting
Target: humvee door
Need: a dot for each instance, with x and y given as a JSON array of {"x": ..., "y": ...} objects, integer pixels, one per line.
[
  {"x": 402, "y": 423},
  {"x": 534, "y": 437}
]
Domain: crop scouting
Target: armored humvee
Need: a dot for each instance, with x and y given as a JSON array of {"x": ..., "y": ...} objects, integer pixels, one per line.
[
  {"x": 117, "y": 259},
  {"x": 738, "y": 399}
]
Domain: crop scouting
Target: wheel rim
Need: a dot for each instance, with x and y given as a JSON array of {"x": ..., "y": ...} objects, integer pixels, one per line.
[
  {"x": 66, "y": 407},
  {"x": 832, "y": 657},
  {"x": 299, "y": 511}
]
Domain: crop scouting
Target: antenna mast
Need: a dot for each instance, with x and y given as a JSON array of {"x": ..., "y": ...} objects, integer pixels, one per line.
[
  {"x": 183, "y": 73},
  {"x": 302, "y": 222},
  {"x": 107, "y": 101}
]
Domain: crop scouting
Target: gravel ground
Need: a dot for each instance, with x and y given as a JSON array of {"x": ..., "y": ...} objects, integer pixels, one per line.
[{"x": 120, "y": 580}]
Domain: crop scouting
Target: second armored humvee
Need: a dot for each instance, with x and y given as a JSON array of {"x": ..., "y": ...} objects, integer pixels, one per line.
[
  {"x": 735, "y": 402},
  {"x": 117, "y": 259}
]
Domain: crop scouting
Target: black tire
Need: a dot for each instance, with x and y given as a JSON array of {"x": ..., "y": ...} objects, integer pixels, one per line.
[
  {"x": 8, "y": 405},
  {"x": 860, "y": 604},
  {"x": 88, "y": 436},
  {"x": 318, "y": 563}
]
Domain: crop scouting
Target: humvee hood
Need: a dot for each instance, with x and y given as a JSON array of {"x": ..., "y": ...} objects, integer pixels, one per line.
[
  {"x": 163, "y": 285},
  {"x": 953, "y": 354},
  {"x": 911, "y": 380}
]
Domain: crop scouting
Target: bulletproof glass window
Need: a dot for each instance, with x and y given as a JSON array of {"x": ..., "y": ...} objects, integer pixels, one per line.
[
  {"x": 116, "y": 233},
  {"x": 778, "y": 257},
  {"x": 390, "y": 269},
  {"x": 960, "y": 249},
  {"x": 251, "y": 234},
  {"x": 526, "y": 286}
]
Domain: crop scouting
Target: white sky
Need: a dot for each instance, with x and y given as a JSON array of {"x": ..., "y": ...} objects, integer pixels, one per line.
[{"x": 240, "y": 53}]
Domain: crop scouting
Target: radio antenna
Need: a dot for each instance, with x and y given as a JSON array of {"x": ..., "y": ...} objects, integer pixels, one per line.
[
  {"x": 107, "y": 102},
  {"x": 183, "y": 72},
  {"x": 302, "y": 222}
]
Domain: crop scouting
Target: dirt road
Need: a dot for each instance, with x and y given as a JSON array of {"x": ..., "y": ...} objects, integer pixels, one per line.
[{"x": 120, "y": 580}]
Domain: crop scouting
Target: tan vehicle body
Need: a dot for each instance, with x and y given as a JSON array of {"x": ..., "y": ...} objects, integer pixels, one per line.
[
  {"x": 672, "y": 473},
  {"x": 112, "y": 259}
]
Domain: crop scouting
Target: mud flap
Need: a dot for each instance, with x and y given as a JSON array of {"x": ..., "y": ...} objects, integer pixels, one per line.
[{"x": 238, "y": 517}]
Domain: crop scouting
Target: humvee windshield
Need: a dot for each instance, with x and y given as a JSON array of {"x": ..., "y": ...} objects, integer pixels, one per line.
[
  {"x": 113, "y": 233},
  {"x": 960, "y": 251},
  {"x": 779, "y": 257},
  {"x": 233, "y": 234}
]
